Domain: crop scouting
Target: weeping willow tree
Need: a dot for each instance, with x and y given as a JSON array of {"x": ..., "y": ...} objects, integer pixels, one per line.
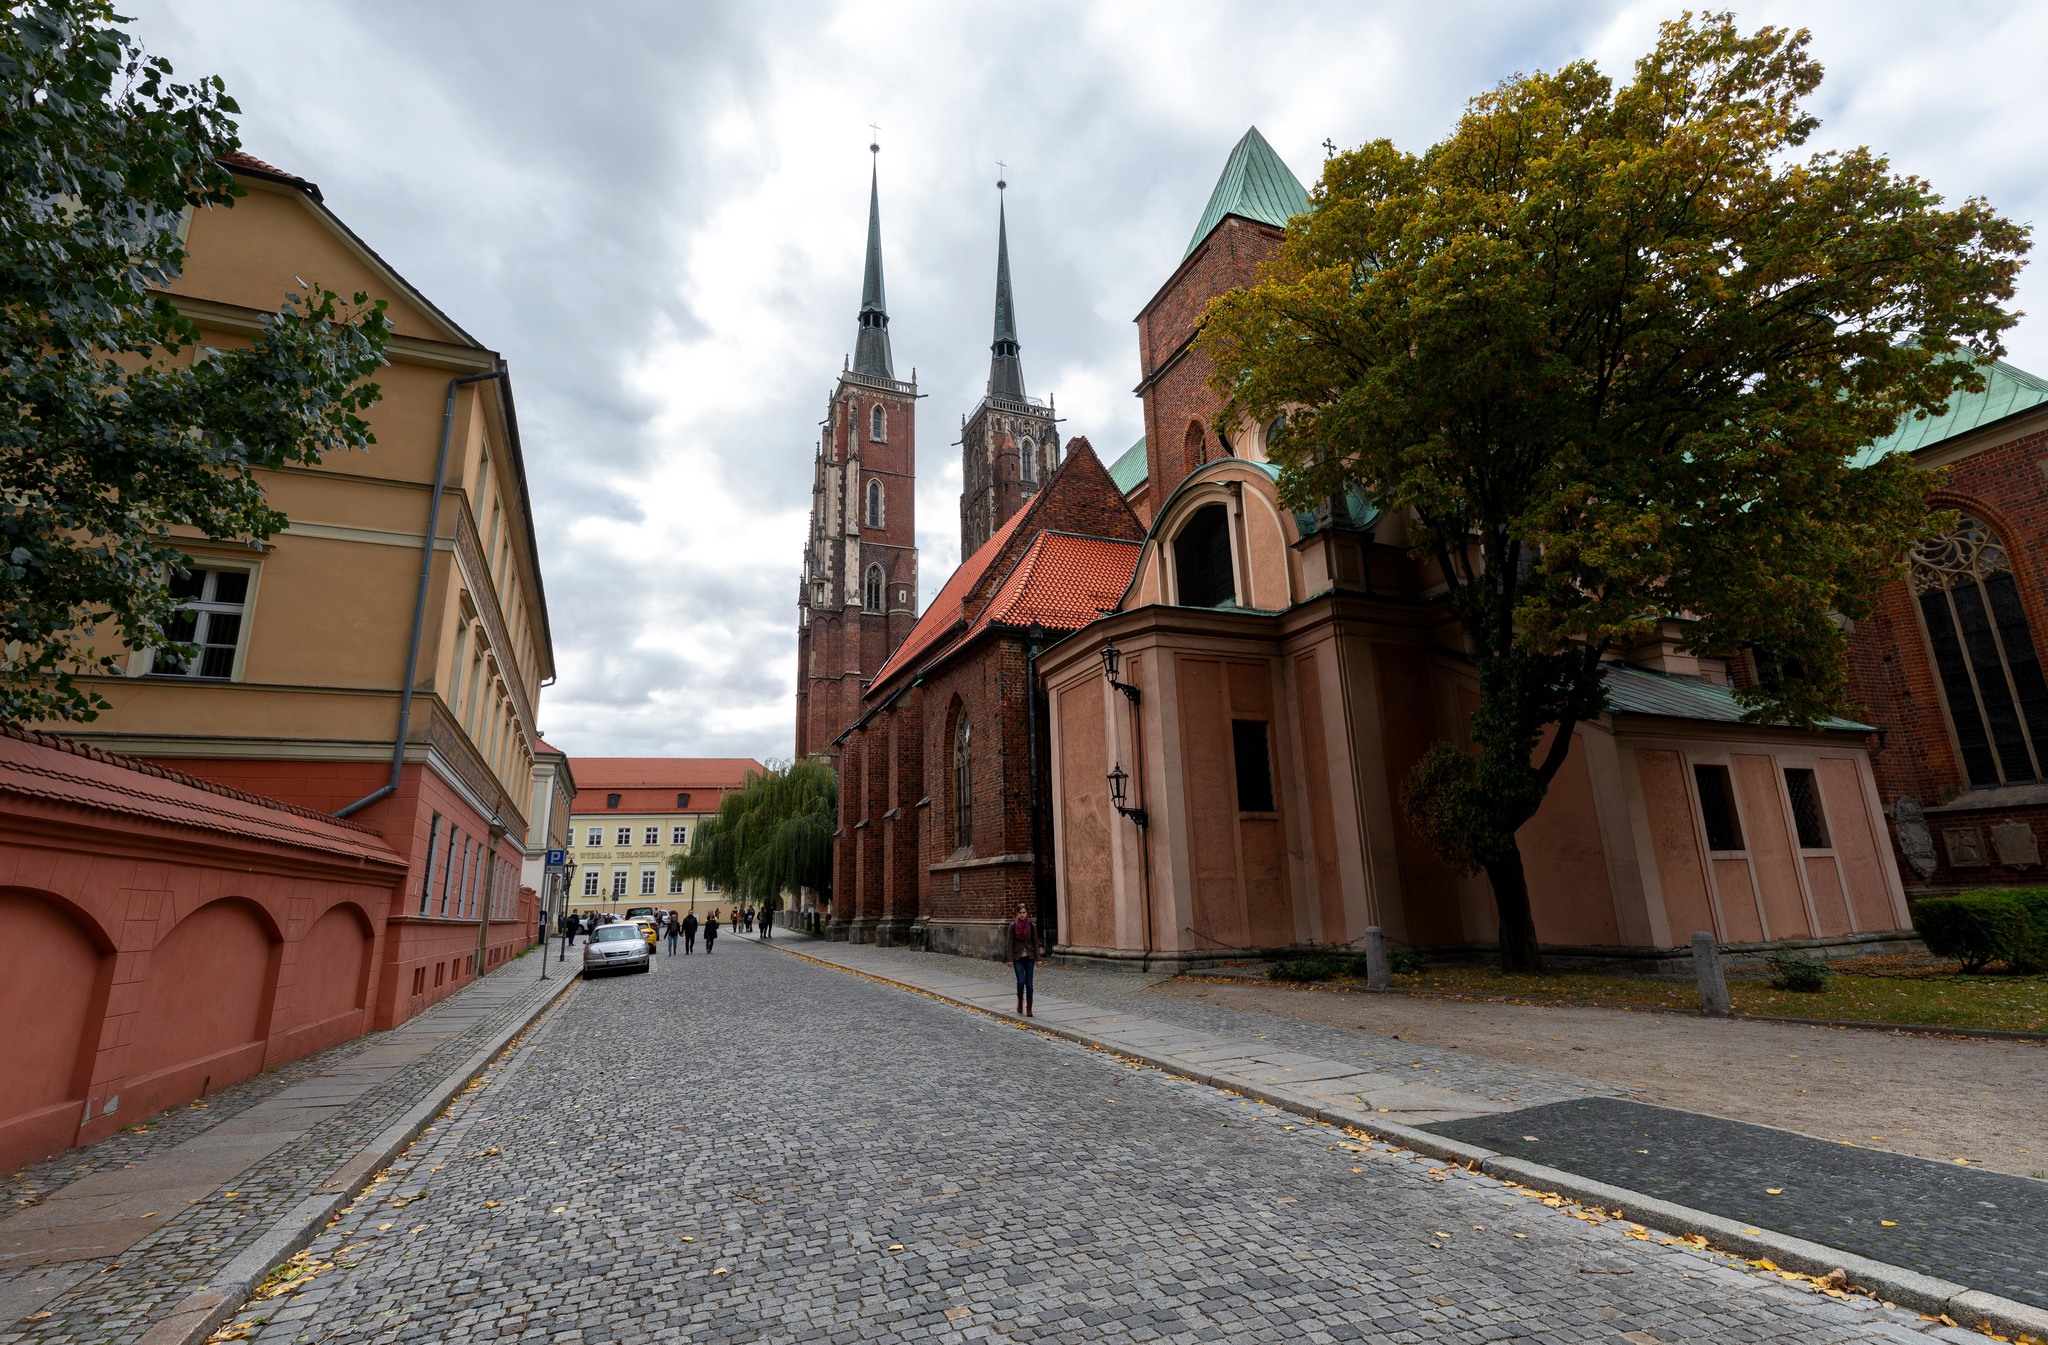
[{"x": 771, "y": 836}]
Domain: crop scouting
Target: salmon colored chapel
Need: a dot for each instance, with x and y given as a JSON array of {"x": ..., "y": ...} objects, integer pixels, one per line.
[
  {"x": 381, "y": 659},
  {"x": 1228, "y": 741}
]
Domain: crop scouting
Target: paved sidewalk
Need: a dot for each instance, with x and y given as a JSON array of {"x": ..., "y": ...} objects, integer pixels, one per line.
[
  {"x": 1953, "y": 1227},
  {"x": 148, "y": 1234}
]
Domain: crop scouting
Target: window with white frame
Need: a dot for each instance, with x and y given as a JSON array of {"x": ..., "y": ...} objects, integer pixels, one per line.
[
  {"x": 652, "y": 836},
  {"x": 625, "y": 835},
  {"x": 647, "y": 881},
  {"x": 618, "y": 882},
  {"x": 212, "y": 602},
  {"x": 596, "y": 836},
  {"x": 675, "y": 883},
  {"x": 590, "y": 883},
  {"x": 710, "y": 885},
  {"x": 679, "y": 836}
]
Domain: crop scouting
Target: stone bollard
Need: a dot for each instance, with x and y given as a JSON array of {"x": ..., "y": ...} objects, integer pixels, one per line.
[
  {"x": 1375, "y": 959},
  {"x": 1706, "y": 965}
]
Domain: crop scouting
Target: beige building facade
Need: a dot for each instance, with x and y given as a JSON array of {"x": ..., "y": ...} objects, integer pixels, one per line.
[{"x": 631, "y": 816}]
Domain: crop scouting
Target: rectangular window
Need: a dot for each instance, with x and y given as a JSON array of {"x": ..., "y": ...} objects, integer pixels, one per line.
[
  {"x": 1717, "y": 807},
  {"x": 589, "y": 882},
  {"x": 465, "y": 899},
  {"x": 647, "y": 881},
  {"x": 625, "y": 835},
  {"x": 675, "y": 883},
  {"x": 210, "y": 603},
  {"x": 1254, "y": 765},
  {"x": 710, "y": 885},
  {"x": 427, "y": 881},
  {"x": 448, "y": 868},
  {"x": 596, "y": 836},
  {"x": 652, "y": 836},
  {"x": 1812, "y": 823},
  {"x": 618, "y": 882},
  {"x": 679, "y": 836}
]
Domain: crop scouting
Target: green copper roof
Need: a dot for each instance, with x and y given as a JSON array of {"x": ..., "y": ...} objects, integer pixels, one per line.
[
  {"x": 1256, "y": 185},
  {"x": 1643, "y": 691},
  {"x": 1130, "y": 470},
  {"x": 2007, "y": 392}
]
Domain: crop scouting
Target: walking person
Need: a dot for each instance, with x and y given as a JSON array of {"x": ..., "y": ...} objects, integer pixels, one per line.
[
  {"x": 674, "y": 930},
  {"x": 710, "y": 932},
  {"x": 1021, "y": 951},
  {"x": 767, "y": 919},
  {"x": 689, "y": 933}
]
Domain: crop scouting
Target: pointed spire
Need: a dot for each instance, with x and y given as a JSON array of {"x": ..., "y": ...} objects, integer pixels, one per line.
[
  {"x": 871, "y": 347},
  {"x": 1005, "y": 369}
]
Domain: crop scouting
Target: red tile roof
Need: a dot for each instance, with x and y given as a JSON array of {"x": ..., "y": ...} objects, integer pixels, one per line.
[
  {"x": 671, "y": 773},
  {"x": 57, "y": 770},
  {"x": 249, "y": 163},
  {"x": 948, "y": 611},
  {"x": 1063, "y": 582}
]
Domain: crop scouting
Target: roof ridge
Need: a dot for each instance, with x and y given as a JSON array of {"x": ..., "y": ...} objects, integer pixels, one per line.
[{"x": 151, "y": 768}]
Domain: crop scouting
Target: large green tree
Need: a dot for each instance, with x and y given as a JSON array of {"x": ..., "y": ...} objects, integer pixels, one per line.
[
  {"x": 116, "y": 427},
  {"x": 1610, "y": 349},
  {"x": 772, "y": 836}
]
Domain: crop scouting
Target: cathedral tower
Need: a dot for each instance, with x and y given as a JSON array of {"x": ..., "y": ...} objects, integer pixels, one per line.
[
  {"x": 858, "y": 594},
  {"x": 1011, "y": 442}
]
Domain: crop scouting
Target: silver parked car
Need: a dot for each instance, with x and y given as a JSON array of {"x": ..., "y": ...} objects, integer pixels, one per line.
[{"x": 619, "y": 947}]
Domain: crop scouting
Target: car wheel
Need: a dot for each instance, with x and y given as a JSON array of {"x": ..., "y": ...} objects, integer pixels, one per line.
[{"x": 646, "y": 967}]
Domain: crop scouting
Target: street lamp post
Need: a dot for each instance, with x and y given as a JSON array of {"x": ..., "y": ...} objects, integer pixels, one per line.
[{"x": 566, "y": 886}]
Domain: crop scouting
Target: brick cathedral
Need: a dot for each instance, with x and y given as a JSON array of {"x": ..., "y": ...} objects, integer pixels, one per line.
[{"x": 858, "y": 597}]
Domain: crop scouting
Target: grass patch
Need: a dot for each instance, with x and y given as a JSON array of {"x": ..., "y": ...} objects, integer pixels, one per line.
[{"x": 1901, "y": 990}]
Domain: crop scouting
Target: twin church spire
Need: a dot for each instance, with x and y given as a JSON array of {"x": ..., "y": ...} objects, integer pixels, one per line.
[
  {"x": 1010, "y": 443},
  {"x": 871, "y": 353}
]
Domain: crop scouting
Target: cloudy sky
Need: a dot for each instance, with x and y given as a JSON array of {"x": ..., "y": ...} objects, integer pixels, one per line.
[{"x": 656, "y": 212}]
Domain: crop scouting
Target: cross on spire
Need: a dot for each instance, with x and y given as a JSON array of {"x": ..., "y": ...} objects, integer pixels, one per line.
[{"x": 1329, "y": 147}]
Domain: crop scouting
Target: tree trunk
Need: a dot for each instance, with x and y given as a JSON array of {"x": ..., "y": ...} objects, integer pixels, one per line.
[{"x": 1518, "y": 950}]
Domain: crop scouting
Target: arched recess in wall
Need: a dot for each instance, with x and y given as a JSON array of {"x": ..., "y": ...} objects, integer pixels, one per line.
[
  {"x": 210, "y": 988},
  {"x": 331, "y": 977},
  {"x": 1194, "y": 447},
  {"x": 53, "y": 995}
]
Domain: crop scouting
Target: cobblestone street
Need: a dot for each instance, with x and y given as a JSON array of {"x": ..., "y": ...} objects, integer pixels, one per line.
[{"x": 754, "y": 1147}]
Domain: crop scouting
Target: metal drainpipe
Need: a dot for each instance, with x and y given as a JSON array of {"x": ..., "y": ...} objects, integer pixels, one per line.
[
  {"x": 1031, "y": 693},
  {"x": 419, "y": 609}
]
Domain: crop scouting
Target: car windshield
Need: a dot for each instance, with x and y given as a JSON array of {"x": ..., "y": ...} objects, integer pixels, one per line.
[{"x": 614, "y": 933}]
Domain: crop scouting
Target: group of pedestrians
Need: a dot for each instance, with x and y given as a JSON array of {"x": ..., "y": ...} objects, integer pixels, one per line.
[{"x": 673, "y": 928}]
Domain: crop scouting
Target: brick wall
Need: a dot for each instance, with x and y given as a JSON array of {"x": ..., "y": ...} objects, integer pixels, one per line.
[
  {"x": 1178, "y": 402},
  {"x": 1892, "y": 678}
]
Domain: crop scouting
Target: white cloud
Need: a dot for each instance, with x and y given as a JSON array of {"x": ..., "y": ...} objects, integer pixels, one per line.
[{"x": 657, "y": 212}]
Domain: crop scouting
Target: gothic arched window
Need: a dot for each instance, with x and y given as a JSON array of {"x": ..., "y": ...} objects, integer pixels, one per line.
[
  {"x": 878, "y": 425},
  {"x": 871, "y": 598},
  {"x": 874, "y": 504},
  {"x": 1027, "y": 464},
  {"x": 1201, "y": 559},
  {"x": 963, "y": 785},
  {"x": 1990, "y": 672}
]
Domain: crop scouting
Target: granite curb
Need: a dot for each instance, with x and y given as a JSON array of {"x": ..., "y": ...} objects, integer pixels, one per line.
[
  {"x": 1923, "y": 1293},
  {"x": 202, "y": 1312}
]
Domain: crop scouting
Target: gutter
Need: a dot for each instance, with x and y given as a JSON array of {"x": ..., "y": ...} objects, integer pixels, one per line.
[{"x": 419, "y": 608}]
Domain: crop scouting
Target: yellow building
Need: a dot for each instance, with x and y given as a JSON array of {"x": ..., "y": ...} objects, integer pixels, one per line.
[
  {"x": 301, "y": 690},
  {"x": 631, "y": 815}
]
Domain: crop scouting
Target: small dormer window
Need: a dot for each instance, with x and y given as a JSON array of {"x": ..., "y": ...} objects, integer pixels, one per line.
[
  {"x": 611, "y": 800},
  {"x": 878, "y": 426},
  {"x": 1201, "y": 559}
]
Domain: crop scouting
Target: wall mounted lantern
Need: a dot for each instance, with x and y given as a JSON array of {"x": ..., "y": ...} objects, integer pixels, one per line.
[
  {"x": 1119, "y": 785},
  {"x": 1112, "y": 659}
]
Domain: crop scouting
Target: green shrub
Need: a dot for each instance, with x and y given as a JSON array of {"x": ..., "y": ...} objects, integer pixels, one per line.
[
  {"x": 1992, "y": 924},
  {"x": 1404, "y": 961},
  {"x": 1794, "y": 970},
  {"x": 1314, "y": 967}
]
